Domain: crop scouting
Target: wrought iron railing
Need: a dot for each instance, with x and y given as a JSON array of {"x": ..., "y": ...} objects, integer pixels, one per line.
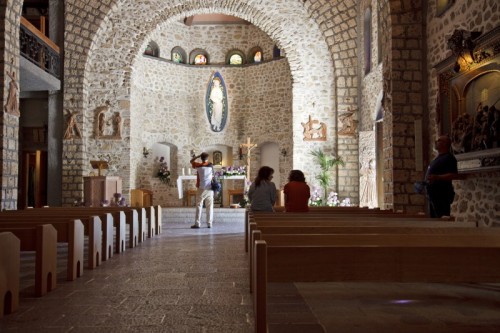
[{"x": 39, "y": 49}]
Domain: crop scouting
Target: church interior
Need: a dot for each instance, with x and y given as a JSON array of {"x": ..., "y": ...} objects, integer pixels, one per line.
[{"x": 106, "y": 102}]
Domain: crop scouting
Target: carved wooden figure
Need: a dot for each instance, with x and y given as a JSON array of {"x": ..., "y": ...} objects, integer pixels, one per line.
[
  {"x": 313, "y": 132},
  {"x": 12, "y": 105},
  {"x": 72, "y": 128}
]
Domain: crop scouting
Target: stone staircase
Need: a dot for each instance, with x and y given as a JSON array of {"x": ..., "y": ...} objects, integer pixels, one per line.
[{"x": 186, "y": 215}]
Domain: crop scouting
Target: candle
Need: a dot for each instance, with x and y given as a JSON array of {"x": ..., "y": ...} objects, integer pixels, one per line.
[{"x": 183, "y": 171}]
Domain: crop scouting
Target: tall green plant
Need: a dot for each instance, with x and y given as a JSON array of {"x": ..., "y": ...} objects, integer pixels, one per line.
[{"x": 325, "y": 162}]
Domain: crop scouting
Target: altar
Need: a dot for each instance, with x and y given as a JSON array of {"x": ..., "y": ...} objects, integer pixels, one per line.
[{"x": 224, "y": 181}]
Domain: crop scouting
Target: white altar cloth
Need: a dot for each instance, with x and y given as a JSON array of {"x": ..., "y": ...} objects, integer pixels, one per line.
[{"x": 180, "y": 180}]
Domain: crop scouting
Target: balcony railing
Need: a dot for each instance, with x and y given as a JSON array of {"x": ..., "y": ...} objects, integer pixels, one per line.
[{"x": 39, "y": 49}]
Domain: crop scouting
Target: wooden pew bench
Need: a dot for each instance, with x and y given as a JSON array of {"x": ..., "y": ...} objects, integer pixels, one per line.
[
  {"x": 10, "y": 258},
  {"x": 343, "y": 219},
  {"x": 449, "y": 258},
  {"x": 92, "y": 226},
  {"x": 119, "y": 219},
  {"x": 70, "y": 231},
  {"x": 43, "y": 240}
]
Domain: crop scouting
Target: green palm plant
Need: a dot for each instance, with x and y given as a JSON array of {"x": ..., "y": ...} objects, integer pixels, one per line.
[{"x": 325, "y": 162}]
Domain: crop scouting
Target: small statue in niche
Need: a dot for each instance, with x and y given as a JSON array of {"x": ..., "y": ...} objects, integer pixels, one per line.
[
  {"x": 313, "y": 132},
  {"x": 349, "y": 124},
  {"x": 72, "y": 126},
  {"x": 368, "y": 185},
  {"x": 100, "y": 113},
  {"x": 12, "y": 105},
  {"x": 117, "y": 120}
]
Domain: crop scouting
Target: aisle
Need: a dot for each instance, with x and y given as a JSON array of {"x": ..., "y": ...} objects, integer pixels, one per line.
[{"x": 183, "y": 280}]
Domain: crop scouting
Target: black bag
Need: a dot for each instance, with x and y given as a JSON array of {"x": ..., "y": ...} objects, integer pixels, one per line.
[{"x": 216, "y": 186}]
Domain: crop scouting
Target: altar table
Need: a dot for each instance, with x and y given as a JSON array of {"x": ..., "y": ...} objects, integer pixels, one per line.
[{"x": 181, "y": 179}]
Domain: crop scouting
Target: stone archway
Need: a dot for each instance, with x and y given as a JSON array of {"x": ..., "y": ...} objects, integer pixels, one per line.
[{"x": 120, "y": 35}]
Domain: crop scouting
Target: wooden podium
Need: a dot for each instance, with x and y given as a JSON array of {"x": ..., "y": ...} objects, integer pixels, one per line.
[
  {"x": 141, "y": 198},
  {"x": 99, "y": 188}
]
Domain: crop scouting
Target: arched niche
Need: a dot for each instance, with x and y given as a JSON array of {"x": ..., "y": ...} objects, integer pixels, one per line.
[
  {"x": 169, "y": 152},
  {"x": 224, "y": 152},
  {"x": 270, "y": 156}
]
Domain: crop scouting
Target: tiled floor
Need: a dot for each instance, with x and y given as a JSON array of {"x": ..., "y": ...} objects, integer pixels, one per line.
[{"x": 196, "y": 280}]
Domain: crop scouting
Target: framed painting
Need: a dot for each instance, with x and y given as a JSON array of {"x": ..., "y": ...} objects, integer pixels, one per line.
[
  {"x": 217, "y": 158},
  {"x": 442, "y": 6}
]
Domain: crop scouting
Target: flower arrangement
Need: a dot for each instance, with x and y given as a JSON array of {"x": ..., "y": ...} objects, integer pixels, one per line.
[
  {"x": 233, "y": 171},
  {"x": 332, "y": 200},
  {"x": 119, "y": 200},
  {"x": 315, "y": 199},
  {"x": 163, "y": 172}
]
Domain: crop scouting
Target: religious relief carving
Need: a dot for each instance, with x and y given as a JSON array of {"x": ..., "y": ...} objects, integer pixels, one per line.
[
  {"x": 314, "y": 130},
  {"x": 476, "y": 133},
  {"x": 12, "y": 105},
  {"x": 72, "y": 128},
  {"x": 348, "y": 123},
  {"x": 107, "y": 125}
]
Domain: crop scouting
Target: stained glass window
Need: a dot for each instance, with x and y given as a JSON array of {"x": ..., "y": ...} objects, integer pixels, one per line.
[
  {"x": 200, "y": 59},
  {"x": 257, "y": 56},
  {"x": 176, "y": 57},
  {"x": 152, "y": 50},
  {"x": 235, "y": 59}
]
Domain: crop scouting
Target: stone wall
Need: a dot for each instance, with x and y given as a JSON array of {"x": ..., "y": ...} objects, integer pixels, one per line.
[{"x": 477, "y": 197}]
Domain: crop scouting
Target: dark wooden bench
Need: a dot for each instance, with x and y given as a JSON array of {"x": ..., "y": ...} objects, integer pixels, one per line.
[
  {"x": 43, "y": 240},
  {"x": 70, "y": 231},
  {"x": 10, "y": 255},
  {"x": 92, "y": 228},
  {"x": 444, "y": 258}
]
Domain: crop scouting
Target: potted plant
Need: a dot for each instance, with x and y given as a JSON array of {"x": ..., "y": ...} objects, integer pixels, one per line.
[{"x": 326, "y": 163}]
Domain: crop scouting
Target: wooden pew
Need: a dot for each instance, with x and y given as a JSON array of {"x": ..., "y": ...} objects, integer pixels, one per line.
[
  {"x": 110, "y": 219},
  {"x": 92, "y": 228},
  {"x": 10, "y": 259},
  {"x": 326, "y": 219},
  {"x": 448, "y": 258},
  {"x": 43, "y": 240},
  {"x": 305, "y": 224},
  {"x": 68, "y": 231}
]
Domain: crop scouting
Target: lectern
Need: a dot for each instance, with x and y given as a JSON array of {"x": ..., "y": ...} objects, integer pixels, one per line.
[{"x": 100, "y": 165}]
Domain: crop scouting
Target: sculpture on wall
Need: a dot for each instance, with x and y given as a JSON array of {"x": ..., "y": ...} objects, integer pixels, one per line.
[
  {"x": 117, "y": 120},
  {"x": 368, "y": 185},
  {"x": 12, "y": 105},
  {"x": 72, "y": 128},
  {"x": 107, "y": 126},
  {"x": 348, "y": 123},
  {"x": 478, "y": 132},
  {"x": 216, "y": 103},
  {"x": 313, "y": 132}
]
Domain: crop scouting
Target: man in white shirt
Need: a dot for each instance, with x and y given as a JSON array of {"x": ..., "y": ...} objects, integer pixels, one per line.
[{"x": 204, "y": 174}]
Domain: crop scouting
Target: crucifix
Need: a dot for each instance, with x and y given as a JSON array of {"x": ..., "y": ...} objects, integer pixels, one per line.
[{"x": 249, "y": 146}]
